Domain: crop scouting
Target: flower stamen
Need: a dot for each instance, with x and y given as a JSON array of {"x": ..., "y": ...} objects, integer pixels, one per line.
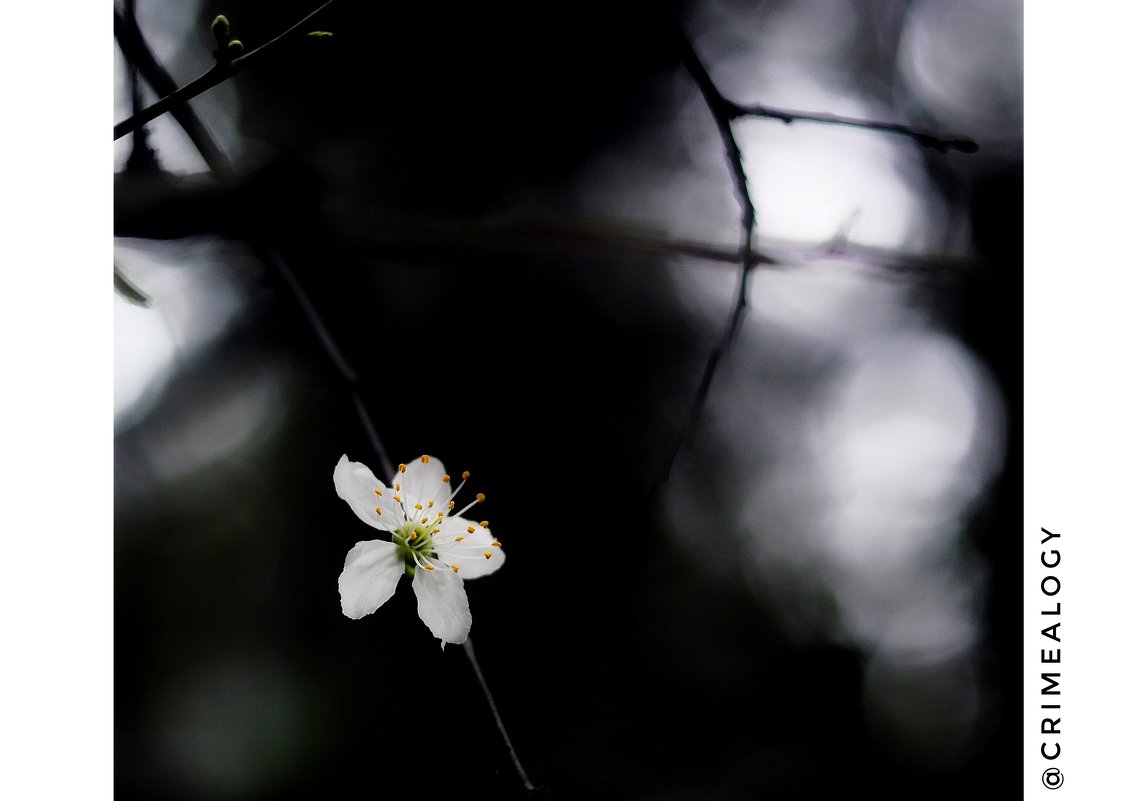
[{"x": 479, "y": 498}]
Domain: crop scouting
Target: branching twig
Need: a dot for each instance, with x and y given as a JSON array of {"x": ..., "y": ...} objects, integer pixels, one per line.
[
  {"x": 138, "y": 53},
  {"x": 723, "y": 112},
  {"x": 222, "y": 71}
]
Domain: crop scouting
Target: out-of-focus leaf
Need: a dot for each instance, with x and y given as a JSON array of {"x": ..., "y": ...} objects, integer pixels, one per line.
[{"x": 124, "y": 287}]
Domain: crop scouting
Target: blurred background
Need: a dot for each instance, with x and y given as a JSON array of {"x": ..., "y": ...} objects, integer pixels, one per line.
[{"x": 517, "y": 222}]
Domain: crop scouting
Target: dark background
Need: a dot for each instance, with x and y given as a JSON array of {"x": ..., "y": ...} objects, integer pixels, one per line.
[{"x": 420, "y": 173}]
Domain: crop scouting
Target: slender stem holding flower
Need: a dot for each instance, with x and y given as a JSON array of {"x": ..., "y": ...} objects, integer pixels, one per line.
[
  {"x": 385, "y": 462},
  {"x": 222, "y": 71},
  {"x": 139, "y": 56},
  {"x": 468, "y": 647}
]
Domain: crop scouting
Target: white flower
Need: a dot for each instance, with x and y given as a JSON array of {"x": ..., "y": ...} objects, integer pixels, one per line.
[{"x": 430, "y": 542}]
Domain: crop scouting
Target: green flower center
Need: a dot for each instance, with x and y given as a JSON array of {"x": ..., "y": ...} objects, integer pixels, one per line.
[{"x": 413, "y": 538}]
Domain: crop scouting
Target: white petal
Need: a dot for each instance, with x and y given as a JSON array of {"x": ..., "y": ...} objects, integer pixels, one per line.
[
  {"x": 442, "y": 604},
  {"x": 422, "y": 483},
  {"x": 370, "y": 574},
  {"x": 469, "y": 554},
  {"x": 356, "y": 484}
]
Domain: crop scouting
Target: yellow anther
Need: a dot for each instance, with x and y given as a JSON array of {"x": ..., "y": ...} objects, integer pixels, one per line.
[
  {"x": 484, "y": 524},
  {"x": 425, "y": 459},
  {"x": 495, "y": 544},
  {"x": 378, "y": 510},
  {"x": 379, "y": 493},
  {"x": 465, "y": 474},
  {"x": 481, "y": 496},
  {"x": 398, "y": 487},
  {"x": 469, "y": 529},
  {"x": 429, "y": 567},
  {"x": 418, "y": 506},
  {"x": 402, "y": 468},
  {"x": 452, "y": 504},
  {"x": 398, "y": 499},
  {"x": 459, "y": 539},
  {"x": 430, "y": 504},
  {"x": 426, "y": 520},
  {"x": 446, "y": 479},
  {"x": 435, "y": 531},
  {"x": 454, "y": 568},
  {"x": 487, "y": 554},
  {"x": 441, "y": 515},
  {"x": 413, "y": 537}
]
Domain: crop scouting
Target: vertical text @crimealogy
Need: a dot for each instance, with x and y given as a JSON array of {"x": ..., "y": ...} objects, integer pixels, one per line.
[{"x": 1051, "y": 654}]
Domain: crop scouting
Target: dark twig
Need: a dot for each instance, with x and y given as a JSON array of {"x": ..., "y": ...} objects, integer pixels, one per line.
[
  {"x": 385, "y": 233},
  {"x": 722, "y": 111},
  {"x": 222, "y": 71},
  {"x": 138, "y": 54},
  {"x": 468, "y": 647},
  {"x": 919, "y": 137},
  {"x": 142, "y": 158}
]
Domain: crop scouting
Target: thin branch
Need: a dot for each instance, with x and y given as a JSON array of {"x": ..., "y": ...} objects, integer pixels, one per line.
[
  {"x": 142, "y": 159},
  {"x": 222, "y": 71},
  {"x": 624, "y": 239},
  {"x": 385, "y": 233},
  {"x": 787, "y": 116},
  {"x": 138, "y": 54},
  {"x": 468, "y": 647},
  {"x": 722, "y": 111}
]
